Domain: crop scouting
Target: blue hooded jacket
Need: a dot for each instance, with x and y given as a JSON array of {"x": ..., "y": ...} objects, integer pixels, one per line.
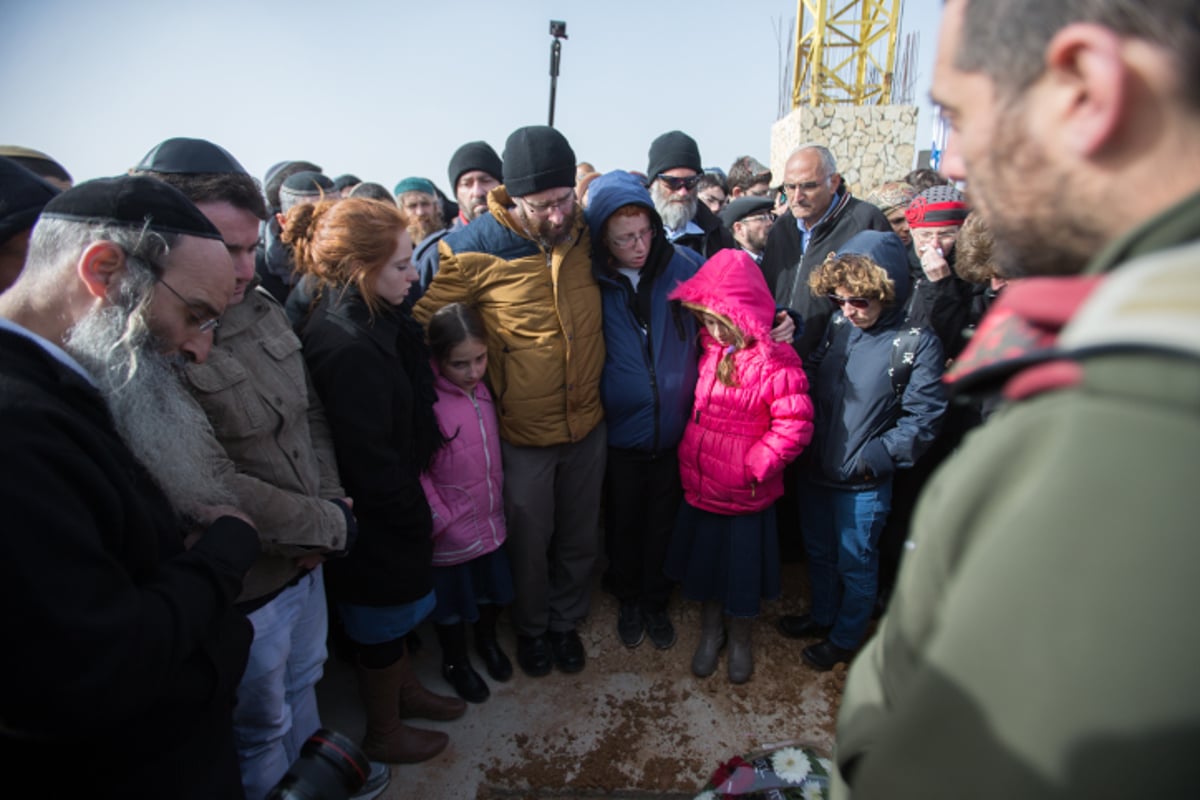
[
  {"x": 864, "y": 431},
  {"x": 651, "y": 356}
]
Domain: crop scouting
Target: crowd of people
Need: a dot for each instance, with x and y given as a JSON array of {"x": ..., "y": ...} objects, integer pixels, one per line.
[{"x": 246, "y": 421}]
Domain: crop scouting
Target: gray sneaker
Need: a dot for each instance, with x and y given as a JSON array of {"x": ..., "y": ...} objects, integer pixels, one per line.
[
  {"x": 629, "y": 625},
  {"x": 660, "y": 629}
]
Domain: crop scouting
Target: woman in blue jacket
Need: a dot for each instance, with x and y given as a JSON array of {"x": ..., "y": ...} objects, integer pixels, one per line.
[
  {"x": 646, "y": 390},
  {"x": 877, "y": 391}
]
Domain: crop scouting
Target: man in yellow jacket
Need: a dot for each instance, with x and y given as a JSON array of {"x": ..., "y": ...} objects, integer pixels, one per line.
[{"x": 526, "y": 265}]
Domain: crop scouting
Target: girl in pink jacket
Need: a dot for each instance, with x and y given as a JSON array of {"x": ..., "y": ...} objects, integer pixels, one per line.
[
  {"x": 465, "y": 489},
  {"x": 751, "y": 416}
]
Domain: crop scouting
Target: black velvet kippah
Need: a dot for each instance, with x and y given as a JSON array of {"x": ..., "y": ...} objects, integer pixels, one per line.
[
  {"x": 23, "y": 195},
  {"x": 190, "y": 157},
  {"x": 132, "y": 200}
]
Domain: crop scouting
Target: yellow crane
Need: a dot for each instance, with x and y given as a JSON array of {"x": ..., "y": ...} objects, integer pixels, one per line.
[{"x": 841, "y": 53}]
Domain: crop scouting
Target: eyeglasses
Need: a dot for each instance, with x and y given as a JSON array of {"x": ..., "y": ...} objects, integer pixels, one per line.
[
  {"x": 765, "y": 216},
  {"x": 854, "y": 302},
  {"x": 630, "y": 239},
  {"x": 204, "y": 324},
  {"x": 806, "y": 187},
  {"x": 566, "y": 203},
  {"x": 675, "y": 184}
]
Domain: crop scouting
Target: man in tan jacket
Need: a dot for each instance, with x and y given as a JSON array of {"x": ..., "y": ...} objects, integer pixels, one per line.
[
  {"x": 527, "y": 267},
  {"x": 272, "y": 447}
]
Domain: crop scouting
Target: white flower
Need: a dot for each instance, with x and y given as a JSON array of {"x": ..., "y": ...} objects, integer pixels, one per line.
[
  {"x": 826, "y": 765},
  {"x": 814, "y": 792},
  {"x": 791, "y": 764},
  {"x": 707, "y": 795}
]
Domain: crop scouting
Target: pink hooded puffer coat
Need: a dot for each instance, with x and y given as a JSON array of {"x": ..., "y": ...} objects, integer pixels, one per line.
[{"x": 739, "y": 438}]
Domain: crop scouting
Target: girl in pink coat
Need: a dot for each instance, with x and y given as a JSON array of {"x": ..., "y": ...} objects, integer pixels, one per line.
[
  {"x": 465, "y": 489},
  {"x": 751, "y": 416}
]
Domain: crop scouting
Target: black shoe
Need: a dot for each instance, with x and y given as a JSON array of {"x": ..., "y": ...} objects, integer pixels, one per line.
[
  {"x": 658, "y": 625},
  {"x": 568, "y": 650},
  {"x": 533, "y": 654},
  {"x": 629, "y": 625},
  {"x": 802, "y": 626},
  {"x": 466, "y": 682},
  {"x": 497, "y": 664},
  {"x": 825, "y": 655}
]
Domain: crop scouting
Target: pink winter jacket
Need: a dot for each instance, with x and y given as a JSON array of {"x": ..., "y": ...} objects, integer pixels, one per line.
[
  {"x": 465, "y": 483},
  {"x": 739, "y": 438}
]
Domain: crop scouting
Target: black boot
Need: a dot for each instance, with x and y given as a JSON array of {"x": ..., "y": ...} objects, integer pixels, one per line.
[
  {"x": 486, "y": 646},
  {"x": 456, "y": 665}
]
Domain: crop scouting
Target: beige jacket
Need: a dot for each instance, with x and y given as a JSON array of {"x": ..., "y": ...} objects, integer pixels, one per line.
[{"x": 274, "y": 445}]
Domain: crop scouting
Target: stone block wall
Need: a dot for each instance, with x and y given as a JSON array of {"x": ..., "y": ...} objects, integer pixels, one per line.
[{"x": 872, "y": 144}]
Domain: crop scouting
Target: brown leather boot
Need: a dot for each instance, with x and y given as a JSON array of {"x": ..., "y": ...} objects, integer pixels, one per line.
[
  {"x": 417, "y": 701},
  {"x": 387, "y": 738}
]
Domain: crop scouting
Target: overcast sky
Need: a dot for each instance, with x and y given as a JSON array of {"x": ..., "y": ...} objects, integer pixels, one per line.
[{"x": 390, "y": 89}]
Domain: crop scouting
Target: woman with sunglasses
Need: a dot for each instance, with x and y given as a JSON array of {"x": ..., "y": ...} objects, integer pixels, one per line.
[{"x": 878, "y": 400}]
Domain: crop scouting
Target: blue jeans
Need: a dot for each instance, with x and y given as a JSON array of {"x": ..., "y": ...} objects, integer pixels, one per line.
[
  {"x": 277, "y": 700},
  {"x": 841, "y": 531}
]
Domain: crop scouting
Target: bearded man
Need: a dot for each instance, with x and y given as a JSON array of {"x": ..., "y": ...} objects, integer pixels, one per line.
[
  {"x": 418, "y": 199},
  {"x": 124, "y": 648},
  {"x": 672, "y": 176},
  {"x": 1040, "y": 642},
  {"x": 474, "y": 170},
  {"x": 527, "y": 267}
]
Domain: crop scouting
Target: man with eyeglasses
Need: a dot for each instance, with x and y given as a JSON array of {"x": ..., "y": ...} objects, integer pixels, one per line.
[
  {"x": 821, "y": 216},
  {"x": 122, "y": 556},
  {"x": 272, "y": 447},
  {"x": 527, "y": 267},
  {"x": 672, "y": 176},
  {"x": 750, "y": 220}
]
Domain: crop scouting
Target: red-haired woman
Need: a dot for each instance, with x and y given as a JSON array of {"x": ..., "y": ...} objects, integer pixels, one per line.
[{"x": 370, "y": 366}]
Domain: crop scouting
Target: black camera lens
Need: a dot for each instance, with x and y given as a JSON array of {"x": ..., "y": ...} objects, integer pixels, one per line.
[{"x": 330, "y": 767}]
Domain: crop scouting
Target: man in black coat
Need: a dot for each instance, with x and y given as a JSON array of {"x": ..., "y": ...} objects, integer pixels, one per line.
[
  {"x": 821, "y": 216},
  {"x": 123, "y": 648},
  {"x": 671, "y": 177}
]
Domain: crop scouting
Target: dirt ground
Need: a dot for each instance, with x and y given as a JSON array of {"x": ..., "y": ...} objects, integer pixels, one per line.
[{"x": 635, "y": 723}]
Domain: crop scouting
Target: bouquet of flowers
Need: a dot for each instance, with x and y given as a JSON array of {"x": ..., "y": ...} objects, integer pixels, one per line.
[{"x": 787, "y": 772}]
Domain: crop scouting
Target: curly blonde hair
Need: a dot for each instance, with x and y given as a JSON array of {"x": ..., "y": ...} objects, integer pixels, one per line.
[
  {"x": 858, "y": 274},
  {"x": 973, "y": 251}
]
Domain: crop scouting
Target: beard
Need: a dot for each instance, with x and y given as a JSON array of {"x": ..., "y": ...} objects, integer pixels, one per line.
[
  {"x": 757, "y": 238},
  {"x": 155, "y": 416},
  {"x": 421, "y": 227},
  {"x": 675, "y": 212},
  {"x": 545, "y": 232},
  {"x": 1033, "y": 208},
  {"x": 473, "y": 207}
]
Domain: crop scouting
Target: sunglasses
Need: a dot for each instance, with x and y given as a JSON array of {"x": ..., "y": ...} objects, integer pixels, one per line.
[
  {"x": 675, "y": 184},
  {"x": 854, "y": 302}
]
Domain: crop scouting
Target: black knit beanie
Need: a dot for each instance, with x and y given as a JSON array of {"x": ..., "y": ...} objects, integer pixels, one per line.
[
  {"x": 537, "y": 158},
  {"x": 472, "y": 156},
  {"x": 673, "y": 149}
]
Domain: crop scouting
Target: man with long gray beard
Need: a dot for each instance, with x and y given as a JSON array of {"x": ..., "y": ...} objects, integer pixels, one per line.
[
  {"x": 272, "y": 446},
  {"x": 527, "y": 267},
  {"x": 120, "y": 560},
  {"x": 671, "y": 176}
]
